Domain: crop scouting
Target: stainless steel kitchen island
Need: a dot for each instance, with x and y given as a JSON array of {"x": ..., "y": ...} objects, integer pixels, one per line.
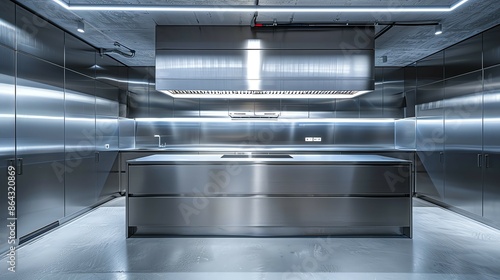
[{"x": 269, "y": 195}]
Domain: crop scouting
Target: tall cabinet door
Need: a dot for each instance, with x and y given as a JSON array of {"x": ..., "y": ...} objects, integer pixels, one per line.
[
  {"x": 463, "y": 142},
  {"x": 430, "y": 141},
  {"x": 107, "y": 140},
  {"x": 491, "y": 142},
  {"x": 79, "y": 133},
  {"x": 7, "y": 132},
  {"x": 40, "y": 143}
]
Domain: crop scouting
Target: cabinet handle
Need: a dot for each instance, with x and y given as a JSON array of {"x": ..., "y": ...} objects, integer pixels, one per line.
[
  {"x": 97, "y": 157},
  {"x": 441, "y": 155},
  {"x": 479, "y": 160},
  {"x": 19, "y": 166},
  {"x": 487, "y": 160}
]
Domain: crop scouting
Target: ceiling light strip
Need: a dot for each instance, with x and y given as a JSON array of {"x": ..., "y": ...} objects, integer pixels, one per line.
[{"x": 252, "y": 9}]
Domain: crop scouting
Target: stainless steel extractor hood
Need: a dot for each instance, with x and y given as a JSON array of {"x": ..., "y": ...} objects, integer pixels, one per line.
[{"x": 264, "y": 62}]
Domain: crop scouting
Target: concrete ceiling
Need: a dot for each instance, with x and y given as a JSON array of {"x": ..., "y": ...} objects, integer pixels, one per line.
[{"x": 401, "y": 44}]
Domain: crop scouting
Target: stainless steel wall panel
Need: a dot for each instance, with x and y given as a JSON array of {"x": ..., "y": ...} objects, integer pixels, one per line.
[
  {"x": 8, "y": 130},
  {"x": 79, "y": 56},
  {"x": 261, "y": 179},
  {"x": 40, "y": 143},
  {"x": 430, "y": 69},
  {"x": 347, "y": 108},
  {"x": 8, "y": 24},
  {"x": 411, "y": 101},
  {"x": 232, "y": 133},
  {"x": 186, "y": 108},
  {"x": 241, "y": 105},
  {"x": 322, "y": 108},
  {"x": 297, "y": 108},
  {"x": 373, "y": 134},
  {"x": 160, "y": 104},
  {"x": 491, "y": 144},
  {"x": 267, "y": 105},
  {"x": 430, "y": 140},
  {"x": 126, "y": 131},
  {"x": 111, "y": 72},
  {"x": 371, "y": 104},
  {"x": 464, "y": 57},
  {"x": 405, "y": 133},
  {"x": 410, "y": 73},
  {"x": 107, "y": 93},
  {"x": 214, "y": 108},
  {"x": 463, "y": 142},
  {"x": 138, "y": 96},
  {"x": 80, "y": 147},
  {"x": 38, "y": 37},
  {"x": 491, "y": 47},
  {"x": 393, "y": 93},
  {"x": 80, "y": 98},
  {"x": 172, "y": 133}
]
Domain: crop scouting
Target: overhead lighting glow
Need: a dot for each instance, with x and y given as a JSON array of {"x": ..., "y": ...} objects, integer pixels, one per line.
[{"x": 253, "y": 9}]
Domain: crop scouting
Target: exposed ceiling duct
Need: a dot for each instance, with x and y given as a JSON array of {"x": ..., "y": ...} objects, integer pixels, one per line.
[{"x": 264, "y": 62}]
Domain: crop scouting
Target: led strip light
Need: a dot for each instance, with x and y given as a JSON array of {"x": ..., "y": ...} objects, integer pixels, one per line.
[{"x": 252, "y": 9}]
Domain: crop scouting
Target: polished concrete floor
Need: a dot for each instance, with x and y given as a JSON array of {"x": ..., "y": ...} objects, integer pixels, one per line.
[{"x": 445, "y": 246}]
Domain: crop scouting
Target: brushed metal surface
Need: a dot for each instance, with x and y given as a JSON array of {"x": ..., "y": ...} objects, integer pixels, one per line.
[
  {"x": 430, "y": 138},
  {"x": 79, "y": 56},
  {"x": 405, "y": 133},
  {"x": 491, "y": 144},
  {"x": 7, "y": 136},
  {"x": 491, "y": 52},
  {"x": 463, "y": 142},
  {"x": 111, "y": 72},
  {"x": 464, "y": 57},
  {"x": 280, "y": 70},
  {"x": 40, "y": 143},
  {"x": 214, "y": 107},
  {"x": 160, "y": 104},
  {"x": 255, "y": 212},
  {"x": 38, "y": 37},
  {"x": 373, "y": 134},
  {"x": 259, "y": 179},
  {"x": 126, "y": 131},
  {"x": 355, "y": 133},
  {"x": 8, "y": 26},
  {"x": 236, "y": 133},
  {"x": 186, "y": 107},
  {"x": 80, "y": 145},
  {"x": 347, "y": 108},
  {"x": 430, "y": 69},
  {"x": 239, "y": 58},
  {"x": 320, "y": 108}
]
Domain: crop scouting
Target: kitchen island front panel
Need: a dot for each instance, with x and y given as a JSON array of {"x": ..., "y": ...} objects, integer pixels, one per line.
[{"x": 269, "y": 195}]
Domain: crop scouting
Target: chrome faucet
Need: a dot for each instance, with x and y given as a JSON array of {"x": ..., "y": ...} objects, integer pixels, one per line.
[{"x": 159, "y": 141}]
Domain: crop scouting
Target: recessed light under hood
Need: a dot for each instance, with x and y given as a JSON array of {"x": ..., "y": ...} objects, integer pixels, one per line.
[{"x": 264, "y": 62}]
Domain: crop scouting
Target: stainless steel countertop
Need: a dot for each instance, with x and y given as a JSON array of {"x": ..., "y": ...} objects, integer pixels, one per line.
[
  {"x": 270, "y": 148},
  {"x": 296, "y": 159}
]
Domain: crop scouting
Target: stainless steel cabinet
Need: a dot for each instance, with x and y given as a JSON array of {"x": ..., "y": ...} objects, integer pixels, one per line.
[
  {"x": 40, "y": 143},
  {"x": 491, "y": 206},
  {"x": 430, "y": 141},
  {"x": 80, "y": 168},
  {"x": 463, "y": 142},
  {"x": 107, "y": 140},
  {"x": 7, "y": 134}
]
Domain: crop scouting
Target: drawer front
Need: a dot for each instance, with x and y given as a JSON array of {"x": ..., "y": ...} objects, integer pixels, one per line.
[
  {"x": 213, "y": 180},
  {"x": 269, "y": 211}
]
